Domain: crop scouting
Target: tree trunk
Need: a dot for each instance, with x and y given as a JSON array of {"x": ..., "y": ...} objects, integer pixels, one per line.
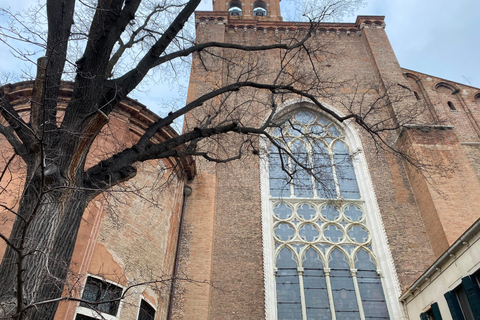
[{"x": 44, "y": 234}]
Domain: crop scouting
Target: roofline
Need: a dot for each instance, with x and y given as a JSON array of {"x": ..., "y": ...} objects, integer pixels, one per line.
[
  {"x": 429, "y": 75},
  {"x": 229, "y": 20},
  {"x": 458, "y": 244},
  {"x": 22, "y": 91}
]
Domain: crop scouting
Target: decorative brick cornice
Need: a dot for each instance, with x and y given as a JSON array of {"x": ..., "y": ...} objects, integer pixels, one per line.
[
  {"x": 239, "y": 23},
  {"x": 370, "y": 22}
]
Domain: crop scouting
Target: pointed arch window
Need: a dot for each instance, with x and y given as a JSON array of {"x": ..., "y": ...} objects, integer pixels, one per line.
[{"x": 324, "y": 263}]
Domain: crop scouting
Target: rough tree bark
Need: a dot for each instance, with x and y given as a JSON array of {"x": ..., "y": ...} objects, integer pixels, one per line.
[{"x": 39, "y": 250}]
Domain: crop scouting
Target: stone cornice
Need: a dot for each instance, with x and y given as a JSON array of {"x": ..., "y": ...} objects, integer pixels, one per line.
[{"x": 259, "y": 24}]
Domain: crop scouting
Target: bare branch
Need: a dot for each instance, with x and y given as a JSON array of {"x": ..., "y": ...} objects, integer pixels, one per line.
[{"x": 16, "y": 123}]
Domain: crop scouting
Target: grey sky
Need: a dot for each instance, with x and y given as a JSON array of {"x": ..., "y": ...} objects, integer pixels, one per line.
[{"x": 436, "y": 37}]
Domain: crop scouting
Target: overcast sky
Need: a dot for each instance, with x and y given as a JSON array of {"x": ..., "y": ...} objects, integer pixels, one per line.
[{"x": 436, "y": 37}]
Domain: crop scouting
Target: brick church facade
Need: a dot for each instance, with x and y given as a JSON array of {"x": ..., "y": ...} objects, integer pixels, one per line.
[
  {"x": 417, "y": 216},
  {"x": 380, "y": 236}
]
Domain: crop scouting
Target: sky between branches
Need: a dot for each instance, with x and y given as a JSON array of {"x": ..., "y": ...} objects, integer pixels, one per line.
[{"x": 436, "y": 37}]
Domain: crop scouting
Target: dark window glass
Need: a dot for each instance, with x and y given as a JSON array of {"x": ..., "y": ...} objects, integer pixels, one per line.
[
  {"x": 451, "y": 106},
  {"x": 322, "y": 169},
  {"x": 82, "y": 317},
  {"x": 430, "y": 315},
  {"x": 260, "y": 9},
  {"x": 259, "y": 12},
  {"x": 97, "y": 291},
  {"x": 316, "y": 296},
  {"x": 434, "y": 312},
  {"x": 288, "y": 290},
  {"x": 344, "y": 298},
  {"x": 463, "y": 301},
  {"x": 146, "y": 311},
  {"x": 370, "y": 286},
  {"x": 345, "y": 172},
  {"x": 454, "y": 306},
  {"x": 302, "y": 180},
  {"x": 472, "y": 291},
  {"x": 472, "y": 295},
  {"x": 279, "y": 179}
]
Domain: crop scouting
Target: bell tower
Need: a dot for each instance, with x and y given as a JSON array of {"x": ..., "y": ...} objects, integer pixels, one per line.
[{"x": 262, "y": 10}]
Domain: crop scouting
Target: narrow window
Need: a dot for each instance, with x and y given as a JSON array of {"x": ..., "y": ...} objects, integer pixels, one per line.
[
  {"x": 370, "y": 285},
  {"x": 464, "y": 300},
  {"x": 472, "y": 291},
  {"x": 322, "y": 170},
  {"x": 451, "y": 106},
  {"x": 146, "y": 311},
  {"x": 461, "y": 296},
  {"x": 454, "y": 305},
  {"x": 288, "y": 290},
  {"x": 343, "y": 290},
  {"x": 315, "y": 286},
  {"x": 302, "y": 179},
  {"x": 477, "y": 99},
  {"x": 416, "y": 95},
  {"x": 432, "y": 314},
  {"x": 96, "y": 291},
  {"x": 278, "y": 166},
  {"x": 345, "y": 172}
]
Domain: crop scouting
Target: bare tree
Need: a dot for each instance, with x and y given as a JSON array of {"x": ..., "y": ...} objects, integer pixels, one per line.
[{"x": 223, "y": 123}]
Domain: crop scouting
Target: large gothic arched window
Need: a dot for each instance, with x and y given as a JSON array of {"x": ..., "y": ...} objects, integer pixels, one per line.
[{"x": 324, "y": 264}]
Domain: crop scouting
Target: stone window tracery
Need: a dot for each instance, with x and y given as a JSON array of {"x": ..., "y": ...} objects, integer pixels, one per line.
[{"x": 324, "y": 264}]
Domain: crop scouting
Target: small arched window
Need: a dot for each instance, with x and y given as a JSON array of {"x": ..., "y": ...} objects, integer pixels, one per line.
[
  {"x": 235, "y": 8},
  {"x": 451, "y": 106},
  {"x": 417, "y": 96},
  {"x": 259, "y": 9}
]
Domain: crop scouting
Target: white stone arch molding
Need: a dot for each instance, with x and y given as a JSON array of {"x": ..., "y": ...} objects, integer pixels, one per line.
[{"x": 381, "y": 249}]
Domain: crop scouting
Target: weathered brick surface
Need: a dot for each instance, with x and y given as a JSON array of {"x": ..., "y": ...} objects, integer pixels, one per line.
[
  {"x": 448, "y": 198},
  {"x": 237, "y": 265},
  {"x": 126, "y": 236}
]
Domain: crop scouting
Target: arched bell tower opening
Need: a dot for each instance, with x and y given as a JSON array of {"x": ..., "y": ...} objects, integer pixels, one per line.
[
  {"x": 262, "y": 10},
  {"x": 235, "y": 8}
]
